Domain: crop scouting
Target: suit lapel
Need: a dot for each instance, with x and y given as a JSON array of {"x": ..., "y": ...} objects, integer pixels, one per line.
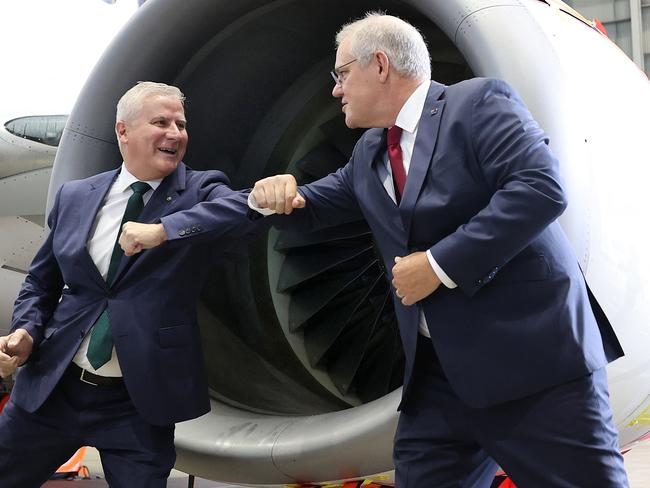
[
  {"x": 164, "y": 197},
  {"x": 158, "y": 205},
  {"x": 92, "y": 200},
  {"x": 376, "y": 148},
  {"x": 425, "y": 143}
]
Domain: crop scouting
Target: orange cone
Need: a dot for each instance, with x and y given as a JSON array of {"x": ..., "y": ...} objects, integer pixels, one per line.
[{"x": 75, "y": 463}]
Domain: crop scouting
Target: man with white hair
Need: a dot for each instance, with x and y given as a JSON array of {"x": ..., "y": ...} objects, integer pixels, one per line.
[
  {"x": 505, "y": 351},
  {"x": 110, "y": 344}
]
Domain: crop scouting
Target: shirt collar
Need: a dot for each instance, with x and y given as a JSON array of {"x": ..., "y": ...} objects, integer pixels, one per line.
[
  {"x": 125, "y": 179},
  {"x": 409, "y": 116}
]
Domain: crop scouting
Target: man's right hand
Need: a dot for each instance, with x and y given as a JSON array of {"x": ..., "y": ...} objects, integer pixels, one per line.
[
  {"x": 278, "y": 193},
  {"x": 8, "y": 364},
  {"x": 15, "y": 349}
]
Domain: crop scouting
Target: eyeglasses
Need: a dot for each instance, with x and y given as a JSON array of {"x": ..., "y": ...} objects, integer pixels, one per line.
[{"x": 339, "y": 77}]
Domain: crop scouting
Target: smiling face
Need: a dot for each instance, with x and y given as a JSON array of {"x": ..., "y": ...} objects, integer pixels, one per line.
[{"x": 154, "y": 141}]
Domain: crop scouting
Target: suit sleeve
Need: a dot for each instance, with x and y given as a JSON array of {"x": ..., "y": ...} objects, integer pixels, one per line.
[
  {"x": 221, "y": 213},
  {"x": 41, "y": 290},
  {"x": 330, "y": 201},
  {"x": 514, "y": 158}
]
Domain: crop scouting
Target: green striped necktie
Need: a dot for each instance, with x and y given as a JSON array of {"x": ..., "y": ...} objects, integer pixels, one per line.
[{"x": 100, "y": 346}]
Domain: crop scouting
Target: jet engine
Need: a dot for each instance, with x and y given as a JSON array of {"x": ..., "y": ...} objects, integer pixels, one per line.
[{"x": 300, "y": 339}]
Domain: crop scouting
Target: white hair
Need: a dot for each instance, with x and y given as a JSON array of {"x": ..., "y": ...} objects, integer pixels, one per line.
[
  {"x": 132, "y": 101},
  {"x": 402, "y": 43}
]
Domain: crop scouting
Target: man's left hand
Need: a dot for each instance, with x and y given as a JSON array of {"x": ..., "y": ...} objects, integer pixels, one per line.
[
  {"x": 413, "y": 278},
  {"x": 135, "y": 237}
]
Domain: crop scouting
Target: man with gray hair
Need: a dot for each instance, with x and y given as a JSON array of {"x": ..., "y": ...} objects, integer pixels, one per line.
[
  {"x": 505, "y": 349},
  {"x": 110, "y": 344}
]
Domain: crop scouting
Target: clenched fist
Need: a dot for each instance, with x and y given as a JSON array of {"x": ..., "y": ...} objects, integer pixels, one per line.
[
  {"x": 278, "y": 193},
  {"x": 413, "y": 278},
  {"x": 135, "y": 237},
  {"x": 15, "y": 349}
]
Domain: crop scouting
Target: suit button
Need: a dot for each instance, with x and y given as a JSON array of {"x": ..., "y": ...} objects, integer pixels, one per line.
[
  {"x": 188, "y": 230},
  {"x": 181, "y": 232},
  {"x": 82, "y": 332},
  {"x": 479, "y": 282},
  {"x": 198, "y": 227}
]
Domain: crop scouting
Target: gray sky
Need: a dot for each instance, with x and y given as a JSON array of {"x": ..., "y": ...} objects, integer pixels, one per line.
[{"x": 50, "y": 48}]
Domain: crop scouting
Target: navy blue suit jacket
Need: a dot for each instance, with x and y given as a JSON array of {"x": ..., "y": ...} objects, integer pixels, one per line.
[
  {"x": 152, "y": 302},
  {"x": 483, "y": 194}
]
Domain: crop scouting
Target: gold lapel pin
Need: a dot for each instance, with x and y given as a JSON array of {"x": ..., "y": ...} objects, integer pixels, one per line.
[{"x": 434, "y": 111}]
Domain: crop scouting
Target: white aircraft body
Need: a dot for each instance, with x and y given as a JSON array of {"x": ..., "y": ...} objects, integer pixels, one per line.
[{"x": 27, "y": 149}]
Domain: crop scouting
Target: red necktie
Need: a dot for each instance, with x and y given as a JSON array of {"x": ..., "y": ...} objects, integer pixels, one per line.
[{"x": 396, "y": 161}]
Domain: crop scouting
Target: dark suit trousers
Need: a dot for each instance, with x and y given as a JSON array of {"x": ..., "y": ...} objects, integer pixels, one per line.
[
  {"x": 560, "y": 437},
  {"x": 133, "y": 452}
]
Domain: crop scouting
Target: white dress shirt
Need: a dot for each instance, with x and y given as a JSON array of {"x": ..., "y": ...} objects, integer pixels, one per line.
[
  {"x": 408, "y": 119},
  {"x": 102, "y": 239}
]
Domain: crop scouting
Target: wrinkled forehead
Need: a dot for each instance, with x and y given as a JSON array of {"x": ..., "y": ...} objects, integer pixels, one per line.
[
  {"x": 160, "y": 106},
  {"x": 162, "y": 103},
  {"x": 344, "y": 51}
]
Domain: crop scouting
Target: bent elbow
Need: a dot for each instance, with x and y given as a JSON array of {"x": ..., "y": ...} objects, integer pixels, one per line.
[{"x": 561, "y": 203}]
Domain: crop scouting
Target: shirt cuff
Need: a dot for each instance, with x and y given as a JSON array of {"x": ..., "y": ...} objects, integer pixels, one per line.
[
  {"x": 446, "y": 280},
  {"x": 252, "y": 204}
]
